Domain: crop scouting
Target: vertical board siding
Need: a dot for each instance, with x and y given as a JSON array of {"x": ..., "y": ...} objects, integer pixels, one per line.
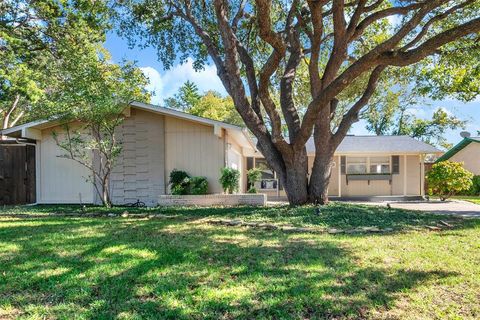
[
  {"x": 413, "y": 175},
  {"x": 194, "y": 148},
  {"x": 470, "y": 156},
  {"x": 139, "y": 173},
  {"x": 61, "y": 180}
]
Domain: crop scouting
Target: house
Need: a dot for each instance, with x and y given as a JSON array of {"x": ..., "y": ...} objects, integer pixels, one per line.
[
  {"x": 364, "y": 167},
  {"x": 157, "y": 140},
  {"x": 466, "y": 151}
]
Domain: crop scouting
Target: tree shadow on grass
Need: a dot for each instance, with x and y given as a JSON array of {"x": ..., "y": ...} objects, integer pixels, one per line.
[
  {"x": 334, "y": 215},
  {"x": 164, "y": 269}
]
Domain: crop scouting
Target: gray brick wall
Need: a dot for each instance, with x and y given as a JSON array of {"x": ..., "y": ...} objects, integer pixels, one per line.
[{"x": 140, "y": 169}]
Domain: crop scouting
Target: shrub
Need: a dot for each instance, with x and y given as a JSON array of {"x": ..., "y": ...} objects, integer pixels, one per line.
[
  {"x": 180, "y": 189},
  {"x": 447, "y": 178},
  {"x": 252, "y": 189},
  {"x": 198, "y": 185},
  {"x": 475, "y": 188},
  {"x": 229, "y": 179},
  {"x": 253, "y": 175},
  {"x": 179, "y": 182}
]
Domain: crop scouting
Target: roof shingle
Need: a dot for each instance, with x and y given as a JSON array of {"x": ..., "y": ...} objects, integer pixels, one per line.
[{"x": 379, "y": 144}]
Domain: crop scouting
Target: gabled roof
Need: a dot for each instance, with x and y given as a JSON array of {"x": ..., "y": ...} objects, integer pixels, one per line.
[
  {"x": 240, "y": 134},
  {"x": 379, "y": 144},
  {"x": 459, "y": 146}
]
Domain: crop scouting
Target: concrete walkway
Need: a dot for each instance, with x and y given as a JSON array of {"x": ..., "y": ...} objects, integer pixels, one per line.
[{"x": 451, "y": 207}]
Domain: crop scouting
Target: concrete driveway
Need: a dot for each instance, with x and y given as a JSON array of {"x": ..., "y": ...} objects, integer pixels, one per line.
[{"x": 450, "y": 207}]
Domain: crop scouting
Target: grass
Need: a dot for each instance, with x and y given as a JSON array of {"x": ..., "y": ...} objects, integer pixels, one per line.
[
  {"x": 183, "y": 268},
  {"x": 473, "y": 199}
]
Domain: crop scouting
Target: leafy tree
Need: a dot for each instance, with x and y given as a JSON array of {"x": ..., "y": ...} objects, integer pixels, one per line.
[
  {"x": 253, "y": 175},
  {"x": 91, "y": 99},
  {"x": 258, "y": 45},
  {"x": 447, "y": 178},
  {"x": 213, "y": 106},
  {"x": 429, "y": 130},
  {"x": 35, "y": 38},
  {"x": 210, "y": 104},
  {"x": 186, "y": 98},
  {"x": 230, "y": 179}
]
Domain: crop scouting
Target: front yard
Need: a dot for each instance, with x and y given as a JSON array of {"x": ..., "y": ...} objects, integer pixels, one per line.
[
  {"x": 473, "y": 199},
  {"x": 181, "y": 267}
]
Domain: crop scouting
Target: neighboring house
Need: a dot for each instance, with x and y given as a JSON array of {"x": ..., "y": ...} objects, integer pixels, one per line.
[
  {"x": 365, "y": 166},
  {"x": 466, "y": 151},
  {"x": 157, "y": 140}
]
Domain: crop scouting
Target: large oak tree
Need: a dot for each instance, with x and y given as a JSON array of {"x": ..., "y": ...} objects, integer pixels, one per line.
[{"x": 344, "y": 43}]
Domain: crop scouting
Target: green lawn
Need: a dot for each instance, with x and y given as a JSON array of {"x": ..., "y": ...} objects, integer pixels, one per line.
[
  {"x": 474, "y": 199},
  {"x": 184, "y": 268}
]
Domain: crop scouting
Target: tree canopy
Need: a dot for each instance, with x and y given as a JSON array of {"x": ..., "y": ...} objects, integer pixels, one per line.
[
  {"x": 210, "y": 104},
  {"x": 36, "y": 37},
  {"x": 345, "y": 44}
]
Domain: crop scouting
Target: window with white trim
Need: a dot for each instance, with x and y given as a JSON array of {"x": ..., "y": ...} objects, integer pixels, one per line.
[
  {"x": 379, "y": 164},
  {"x": 356, "y": 165}
]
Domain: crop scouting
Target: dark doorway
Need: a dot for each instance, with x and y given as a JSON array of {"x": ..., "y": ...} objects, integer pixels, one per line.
[{"x": 17, "y": 173}]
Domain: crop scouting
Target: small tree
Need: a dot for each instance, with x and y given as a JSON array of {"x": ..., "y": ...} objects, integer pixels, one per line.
[
  {"x": 447, "y": 178},
  {"x": 93, "y": 93},
  {"x": 253, "y": 175},
  {"x": 230, "y": 179}
]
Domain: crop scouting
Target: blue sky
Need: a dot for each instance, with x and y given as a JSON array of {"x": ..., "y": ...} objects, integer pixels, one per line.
[{"x": 164, "y": 83}]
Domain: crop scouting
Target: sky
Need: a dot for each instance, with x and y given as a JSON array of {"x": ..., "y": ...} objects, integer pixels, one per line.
[{"x": 165, "y": 83}]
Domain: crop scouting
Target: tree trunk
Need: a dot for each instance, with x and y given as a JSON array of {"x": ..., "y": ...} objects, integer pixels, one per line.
[
  {"x": 320, "y": 178},
  {"x": 106, "y": 192},
  {"x": 295, "y": 178}
]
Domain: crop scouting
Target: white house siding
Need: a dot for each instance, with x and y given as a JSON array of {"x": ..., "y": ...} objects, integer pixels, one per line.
[
  {"x": 194, "y": 148},
  {"x": 236, "y": 160},
  {"x": 413, "y": 175},
  {"x": 398, "y": 187},
  {"x": 470, "y": 156},
  {"x": 61, "y": 180},
  {"x": 140, "y": 169}
]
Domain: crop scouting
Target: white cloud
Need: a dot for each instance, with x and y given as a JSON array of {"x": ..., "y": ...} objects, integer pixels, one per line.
[
  {"x": 395, "y": 20},
  {"x": 155, "y": 86},
  {"x": 166, "y": 84}
]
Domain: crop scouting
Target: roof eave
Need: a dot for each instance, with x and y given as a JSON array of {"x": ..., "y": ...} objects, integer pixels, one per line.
[{"x": 457, "y": 148}]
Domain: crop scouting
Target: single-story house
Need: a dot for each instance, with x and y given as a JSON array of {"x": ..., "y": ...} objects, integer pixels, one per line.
[
  {"x": 364, "y": 167},
  {"x": 466, "y": 151},
  {"x": 157, "y": 140}
]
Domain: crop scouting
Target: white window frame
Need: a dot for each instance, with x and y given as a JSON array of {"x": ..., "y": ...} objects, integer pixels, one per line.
[
  {"x": 368, "y": 164},
  {"x": 348, "y": 164},
  {"x": 389, "y": 163}
]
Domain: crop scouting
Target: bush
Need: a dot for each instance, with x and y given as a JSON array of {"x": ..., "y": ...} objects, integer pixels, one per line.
[
  {"x": 178, "y": 177},
  {"x": 229, "y": 179},
  {"x": 447, "y": 178},
  {"x": 252, "y": 189},
  {"x": 253, "y": 175},
  {"x": 179, "y": 182},
  {"x": 475, "y": 188},
  {"x": 198, "y": 185}
]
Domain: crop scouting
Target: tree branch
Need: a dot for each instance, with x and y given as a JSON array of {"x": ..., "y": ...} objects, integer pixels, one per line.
[{"x": 352, "y": 114}]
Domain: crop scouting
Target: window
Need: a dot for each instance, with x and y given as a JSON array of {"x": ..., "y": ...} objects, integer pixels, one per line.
[
  {"x": 267, "y": 173},
  {"x": 380, "y": 165},
  {"x": 356, "y": 165},
  {"x": 368, "y": 165}
]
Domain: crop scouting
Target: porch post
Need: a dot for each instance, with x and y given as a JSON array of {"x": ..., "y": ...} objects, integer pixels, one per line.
[
  {"x": 422, "y": 175},
  {"x": 339, "y": 166},
  {"x": 404, "y": 174}
]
